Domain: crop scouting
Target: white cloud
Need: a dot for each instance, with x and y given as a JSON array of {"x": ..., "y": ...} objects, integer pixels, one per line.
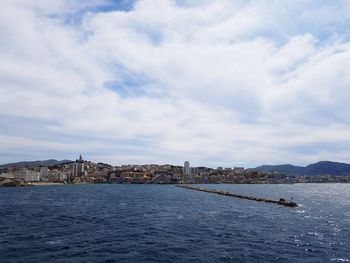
[{"x": 224, "y": 82}]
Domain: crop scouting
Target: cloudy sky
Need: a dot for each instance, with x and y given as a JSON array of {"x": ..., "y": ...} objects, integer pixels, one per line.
[{"x": 224, "y": 82}]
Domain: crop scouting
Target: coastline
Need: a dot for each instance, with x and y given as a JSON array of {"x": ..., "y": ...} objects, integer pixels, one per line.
[
  {"x": 45, "y": 183},
  {"x": 14, "y": 184}
]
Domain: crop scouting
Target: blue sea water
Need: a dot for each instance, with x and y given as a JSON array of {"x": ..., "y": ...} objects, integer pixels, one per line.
[{"x": 163, "y": 223}]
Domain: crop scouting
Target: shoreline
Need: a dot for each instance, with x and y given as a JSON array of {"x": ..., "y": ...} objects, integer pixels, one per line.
[
  {"x": 44, "y": 183},
  {"x": 178, "y": 184}
]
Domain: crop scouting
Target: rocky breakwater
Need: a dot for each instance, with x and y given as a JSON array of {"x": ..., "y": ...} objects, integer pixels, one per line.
[{"x": 281, "y": 201}]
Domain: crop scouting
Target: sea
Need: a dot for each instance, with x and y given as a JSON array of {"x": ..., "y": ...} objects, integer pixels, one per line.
[{"x": 164, "y": 223}]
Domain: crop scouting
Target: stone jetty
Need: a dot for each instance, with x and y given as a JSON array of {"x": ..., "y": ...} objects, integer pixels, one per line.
[{"x": 281, "y": 201}]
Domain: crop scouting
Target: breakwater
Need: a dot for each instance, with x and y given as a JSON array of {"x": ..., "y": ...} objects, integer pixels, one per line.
[{"x": 281, "y": 201}]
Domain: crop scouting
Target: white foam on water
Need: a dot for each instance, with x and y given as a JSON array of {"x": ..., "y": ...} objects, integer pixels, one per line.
[
  {"x": 54, "y": 242},
  {"x": 340, "y": 259}
]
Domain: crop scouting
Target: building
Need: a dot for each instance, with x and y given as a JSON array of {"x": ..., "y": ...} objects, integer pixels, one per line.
[
  {"x": 238, "y": 170},
  {"x": 32, "y": 177},
  {"x": 194, "y": 170},
  {"x": 26, "y": 175},
  {"x": 44, "y": 171},
  {"x": 78, "y": 167},
  {"x": 57, "y": 177},
  {"x": 186, "y": 168}
]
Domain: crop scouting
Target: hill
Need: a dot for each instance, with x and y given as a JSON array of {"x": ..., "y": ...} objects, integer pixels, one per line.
[
  {"x": 49, "y": 162},
  {"x": 323, "y": 167}
]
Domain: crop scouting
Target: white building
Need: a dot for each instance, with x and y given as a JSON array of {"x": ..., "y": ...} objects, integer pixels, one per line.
[
  {"x": 32, "y": 177},
  {"x": 27, "y": 176},
  {"x": 186, "y": 168}
]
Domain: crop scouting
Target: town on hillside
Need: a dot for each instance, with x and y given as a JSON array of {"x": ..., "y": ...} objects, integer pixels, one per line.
[{"x": 83, "y": 171}]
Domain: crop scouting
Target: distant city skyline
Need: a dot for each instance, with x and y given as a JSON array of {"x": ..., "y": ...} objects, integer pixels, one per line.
[{"x": 217, "y": 83}]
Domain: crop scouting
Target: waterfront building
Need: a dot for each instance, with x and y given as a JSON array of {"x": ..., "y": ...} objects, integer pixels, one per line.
[
  {"x": 26, "y": 175},
  {"x": 57, "y": 177},
  {"x": 32, "y": 177},
  {"x": 186, "y": 168},
  {"x": 194, "y": 170},
  {"x": 78, "y": 167},
  {"x": 44, "y": 171}
]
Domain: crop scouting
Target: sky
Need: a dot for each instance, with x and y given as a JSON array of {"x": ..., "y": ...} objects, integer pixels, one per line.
[{"x": 218, "y": 83}]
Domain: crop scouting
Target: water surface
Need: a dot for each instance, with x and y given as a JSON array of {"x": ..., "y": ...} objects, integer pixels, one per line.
[{"x": 163, "y": 223}]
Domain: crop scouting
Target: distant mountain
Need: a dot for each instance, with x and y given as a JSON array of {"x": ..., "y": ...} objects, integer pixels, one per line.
[
  {"x": 49, "y": 162},
  {"x": 323, "y": 167},
  {"x": 326, "y": 167},
  {"x": 283, "y": 168}
]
